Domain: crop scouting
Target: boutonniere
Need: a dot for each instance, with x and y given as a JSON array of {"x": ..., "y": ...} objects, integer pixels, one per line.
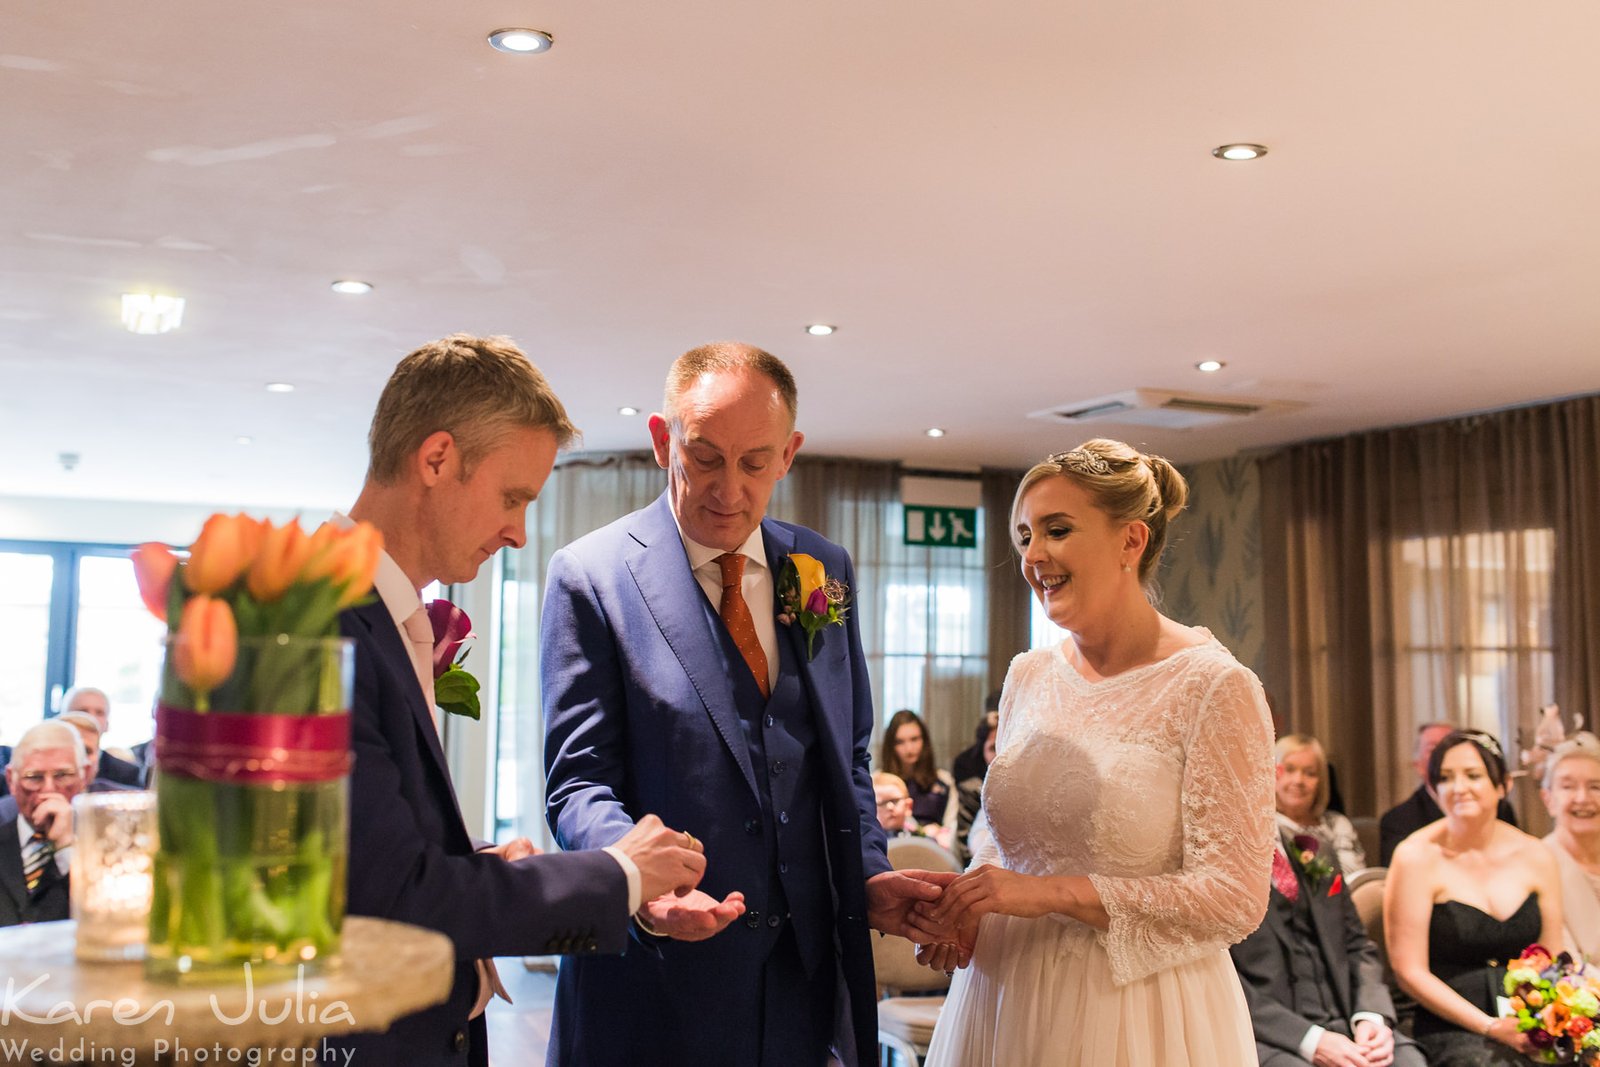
[
  {"x": 454, "y": 690},
  {"x": 1318, "y": 870},
  {"x": 808, "y": 596}
]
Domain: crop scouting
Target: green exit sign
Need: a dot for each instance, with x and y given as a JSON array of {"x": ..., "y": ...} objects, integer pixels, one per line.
[{"x": 941, "y": 526}]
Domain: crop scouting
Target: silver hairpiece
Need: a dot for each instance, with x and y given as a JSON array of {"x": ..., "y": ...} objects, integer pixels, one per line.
[{"x": 1080, "y": 461}]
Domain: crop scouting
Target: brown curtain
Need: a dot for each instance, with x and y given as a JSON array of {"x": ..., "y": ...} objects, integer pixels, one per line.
[
  {"x": 1415, "y": 574},
  {"x": 1009, "y": 597}
]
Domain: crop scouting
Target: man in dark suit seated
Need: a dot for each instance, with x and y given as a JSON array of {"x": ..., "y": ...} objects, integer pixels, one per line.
[
  {"x": 1312, "y": 977},
  {"x": 109, "y": 768},
  {"x": 1419, "y": 809},
  {"x": 45, "y": 772}
]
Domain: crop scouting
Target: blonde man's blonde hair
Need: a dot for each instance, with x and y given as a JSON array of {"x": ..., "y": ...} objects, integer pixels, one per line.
[
  {"x": 727, "y": 356},
  {"x": 1126, "y": 484},
  {"x": 478, "y": 389},
  {"x": 1287, "y": 746}
]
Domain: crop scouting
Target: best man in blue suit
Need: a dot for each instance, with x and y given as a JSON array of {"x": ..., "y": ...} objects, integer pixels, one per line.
[
  {"x": 670, "y": 685},
  {"x": 464, "y": 437}
]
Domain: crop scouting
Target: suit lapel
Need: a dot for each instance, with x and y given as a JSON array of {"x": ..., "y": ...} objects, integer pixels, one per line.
[
  {"x": 11, "y": 864},
  {"x": 396, "y": 659},
  {"x": 660, "y": 569}
]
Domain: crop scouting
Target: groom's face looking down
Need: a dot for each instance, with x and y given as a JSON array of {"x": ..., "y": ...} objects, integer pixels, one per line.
[{"x": 727, "y": 437}]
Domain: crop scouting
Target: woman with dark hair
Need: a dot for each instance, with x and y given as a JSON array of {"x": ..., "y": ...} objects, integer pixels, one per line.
[
  {"x": 908, "y": 753},
  {"x": 1463, "y": 896}
]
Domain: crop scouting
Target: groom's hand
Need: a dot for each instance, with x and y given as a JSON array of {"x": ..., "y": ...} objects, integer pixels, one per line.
[
  {"x": 692, "y": 917},
  {"x": 891, "y": 903},
  {"x": 669, "y": 861}
]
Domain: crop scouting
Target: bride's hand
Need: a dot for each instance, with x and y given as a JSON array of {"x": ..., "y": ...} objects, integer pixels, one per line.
[
  {"x": 993, "y": 890},
  {"x": 944, "y": 958}
]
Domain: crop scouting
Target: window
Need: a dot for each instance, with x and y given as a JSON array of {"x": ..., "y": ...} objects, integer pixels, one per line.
[
  {"x": 1473, "y": 628},
  {"x": 1042, "y": 633},
  {"x": 72, "y": 616}
]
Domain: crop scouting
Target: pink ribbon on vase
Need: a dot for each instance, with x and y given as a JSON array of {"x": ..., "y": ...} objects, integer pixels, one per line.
[
  {"x": 244, "y": 749},
  {"x": 451, "y": 628}
]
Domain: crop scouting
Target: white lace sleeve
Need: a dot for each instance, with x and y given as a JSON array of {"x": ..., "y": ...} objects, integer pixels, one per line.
[{"x": 1219, "y": 895}]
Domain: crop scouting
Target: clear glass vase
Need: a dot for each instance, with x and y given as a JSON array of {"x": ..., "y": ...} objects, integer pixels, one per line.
[{"x": 252, "y": 806}]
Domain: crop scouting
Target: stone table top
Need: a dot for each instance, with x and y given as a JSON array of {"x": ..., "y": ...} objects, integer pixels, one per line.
[{"x": 385, "y": 970}]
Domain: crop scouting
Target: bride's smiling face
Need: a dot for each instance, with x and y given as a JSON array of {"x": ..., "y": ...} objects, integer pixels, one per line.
[{"x": 1073, "y": 554}]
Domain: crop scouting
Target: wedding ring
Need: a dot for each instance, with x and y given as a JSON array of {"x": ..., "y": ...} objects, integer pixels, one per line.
[{"x": 689, "y": 841}]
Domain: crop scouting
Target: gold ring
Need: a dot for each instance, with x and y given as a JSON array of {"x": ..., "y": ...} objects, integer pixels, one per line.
[{"x": 688, "y": 840}]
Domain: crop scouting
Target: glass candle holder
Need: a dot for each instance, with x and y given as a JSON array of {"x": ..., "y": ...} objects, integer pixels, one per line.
[{"x": 112, "y": 863}]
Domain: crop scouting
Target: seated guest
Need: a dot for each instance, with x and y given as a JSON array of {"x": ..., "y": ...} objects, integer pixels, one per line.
[
  {"x": 112, "y": 767},
  {"x": 1312, "y": 977},
  {"x": 969, "y": 790},
  {"x": 908, "y": 753},
  {"x": 1463, "y": 896},
  {"x": 1572, "y": 796},
  {"x": 970, "y": 761},
  {"x": 45, "y": 773},
  {"x": 1302, "y": 794},
  {"x": 89, "y": 730},
  {"x": 1419, "y": 809},
  {"x": 894, "y": 803}
]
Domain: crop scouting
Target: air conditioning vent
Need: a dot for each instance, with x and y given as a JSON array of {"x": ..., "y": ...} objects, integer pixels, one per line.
[{"x": 1163, "y": 408}]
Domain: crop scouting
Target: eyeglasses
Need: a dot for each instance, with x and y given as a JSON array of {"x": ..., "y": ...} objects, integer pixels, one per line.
[
  {"x": 36, "y": 779},
  {"x": 895, "y": 803}
]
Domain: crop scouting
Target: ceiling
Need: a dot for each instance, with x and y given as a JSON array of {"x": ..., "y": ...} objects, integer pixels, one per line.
[{"x": 1003, "y": 207}]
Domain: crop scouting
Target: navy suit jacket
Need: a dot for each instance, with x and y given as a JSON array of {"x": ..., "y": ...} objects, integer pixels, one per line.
[
  {"x": 52, "y": 902},
  {"x": 640, "y": 717},
  {"x": 412, "y": 860}
]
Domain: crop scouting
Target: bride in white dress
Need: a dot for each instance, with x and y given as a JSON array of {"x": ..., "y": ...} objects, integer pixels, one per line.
[{"x": 1130, "y": 807}]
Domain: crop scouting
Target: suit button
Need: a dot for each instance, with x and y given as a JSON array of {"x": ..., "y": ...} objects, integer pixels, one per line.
[
  {"x": 771, "y": 722},
  {"x": 591, "y": 945},
  {"x": 773, "y": 920},
  {"x": 783, "y": 868},
  {"x": 752, "y": 919},
  {"x": 752, "y": 826},
  {"x": 459, "y": 1041},
  {"x": 777, "y": 766},
  {"x": 783, "y": 817}
]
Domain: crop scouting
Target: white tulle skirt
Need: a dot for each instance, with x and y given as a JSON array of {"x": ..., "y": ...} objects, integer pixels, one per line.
[{"x": 1035, "y": 995}]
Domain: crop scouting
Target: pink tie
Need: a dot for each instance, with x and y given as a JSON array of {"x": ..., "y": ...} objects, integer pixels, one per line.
[
  {"x": 1283, "y": 876},
  {"x": 419, "y": 634}
]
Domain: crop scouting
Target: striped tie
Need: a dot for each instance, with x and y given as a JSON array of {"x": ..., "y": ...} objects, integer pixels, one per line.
[
  {"x": 736, "y": 616},
  {"x": 35, "y": 856}
]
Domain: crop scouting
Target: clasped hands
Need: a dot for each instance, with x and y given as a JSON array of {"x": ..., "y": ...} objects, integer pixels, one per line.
[{"x": 944, "y": 916}]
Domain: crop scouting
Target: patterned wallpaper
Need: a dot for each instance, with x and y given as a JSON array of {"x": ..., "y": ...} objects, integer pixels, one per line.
[{"x": 1211, "y": 573}]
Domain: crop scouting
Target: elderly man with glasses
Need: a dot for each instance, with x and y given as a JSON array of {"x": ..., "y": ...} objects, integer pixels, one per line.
[{"x": 46, "y": 771}]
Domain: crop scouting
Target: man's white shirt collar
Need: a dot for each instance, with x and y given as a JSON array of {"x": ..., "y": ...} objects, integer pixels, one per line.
[{"x": 754, "y": 549}]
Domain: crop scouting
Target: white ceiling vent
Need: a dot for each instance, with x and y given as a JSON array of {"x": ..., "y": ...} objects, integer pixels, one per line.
[{"x": 1164, "y": 408}]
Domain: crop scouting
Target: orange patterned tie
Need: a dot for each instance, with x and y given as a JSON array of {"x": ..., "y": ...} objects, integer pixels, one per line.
[{"x": 736, "y": 616}]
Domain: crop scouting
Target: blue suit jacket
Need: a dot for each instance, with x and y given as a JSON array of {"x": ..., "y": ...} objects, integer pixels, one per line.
[
  {"x": 412, "y": 860},
  {"x": 640, "y": 717}
]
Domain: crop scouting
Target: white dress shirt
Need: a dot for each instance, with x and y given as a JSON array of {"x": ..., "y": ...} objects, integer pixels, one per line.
[{"x": 758, "y": 588}]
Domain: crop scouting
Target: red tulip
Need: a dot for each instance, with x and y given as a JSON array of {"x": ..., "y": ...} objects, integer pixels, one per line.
[
  {"x": 153, "y": 566},
  {"x": 226, "y": 546},
  {"x": 207, "y": 644}
]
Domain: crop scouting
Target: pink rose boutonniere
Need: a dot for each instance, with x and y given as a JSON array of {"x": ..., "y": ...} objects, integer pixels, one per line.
[
  {"x": 454, "y": 690},
  {"x": 1317, "y": 869},
  {"x": 808, "y": 596}
]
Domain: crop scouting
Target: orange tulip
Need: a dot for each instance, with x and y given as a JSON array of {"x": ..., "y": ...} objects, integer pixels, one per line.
[
  {"x": 153, "y": 566},
  {"x": 347, "y": 558},
  {"x": 285, "y": 551},
  {"x": 207, "y": 643},
  {"x": 222, "y": 552}
]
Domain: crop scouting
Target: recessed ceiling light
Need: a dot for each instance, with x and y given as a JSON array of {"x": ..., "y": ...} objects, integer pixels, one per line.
[
  {"x": 351, "y": 287},
  {"x": 521, "y": 42},
  {"x": 934, "y": 431},
  {"x": 820, "y": 329},
  {"x": 1210, "y": 366},
  {"x": 1239, "y": 151},
  {"x": 151, "y": 313},
  {"x": 279, "y": 387},
  {"x": 243, "y": 440},
  {"x": 627, "y": 409}
]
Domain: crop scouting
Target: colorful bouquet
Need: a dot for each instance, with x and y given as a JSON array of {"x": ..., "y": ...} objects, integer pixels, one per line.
[
  {"x": 808, "y": 596},
  {"x": 252, "y": 741},
  {"x": 1554, "y": 1000}
]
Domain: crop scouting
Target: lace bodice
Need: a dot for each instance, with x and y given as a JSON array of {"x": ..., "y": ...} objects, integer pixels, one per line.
[{"x": 1156, "y": 783}]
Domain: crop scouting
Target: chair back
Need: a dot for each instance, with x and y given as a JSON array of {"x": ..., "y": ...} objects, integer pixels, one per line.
[
  {"x": 895, "y": 961},
  {"x": 1371, "y": 837},
  {"x": 908, "y": 852}
]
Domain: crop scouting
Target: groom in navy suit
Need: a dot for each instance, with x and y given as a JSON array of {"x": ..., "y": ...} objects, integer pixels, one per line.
[
  {"x": 671, "y": 684},
  {"x": 464, "y": 437}
]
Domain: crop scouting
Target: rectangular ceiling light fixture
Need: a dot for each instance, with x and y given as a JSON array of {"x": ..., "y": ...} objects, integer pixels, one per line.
[{"x": 151, "y": 312}]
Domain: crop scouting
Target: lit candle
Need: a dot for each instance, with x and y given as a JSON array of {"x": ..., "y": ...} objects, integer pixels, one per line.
[{"x": 111, "y": 873}]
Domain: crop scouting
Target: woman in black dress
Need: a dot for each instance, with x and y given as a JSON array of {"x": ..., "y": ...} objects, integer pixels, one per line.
[{"x": 1464, "y": 895}]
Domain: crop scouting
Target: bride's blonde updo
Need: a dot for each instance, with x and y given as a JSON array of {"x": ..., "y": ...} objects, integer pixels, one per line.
[{"x": 1126, "y": 484}]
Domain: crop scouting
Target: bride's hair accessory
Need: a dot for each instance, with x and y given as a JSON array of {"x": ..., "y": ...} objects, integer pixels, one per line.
[{"x": 1080, "y": 461}]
